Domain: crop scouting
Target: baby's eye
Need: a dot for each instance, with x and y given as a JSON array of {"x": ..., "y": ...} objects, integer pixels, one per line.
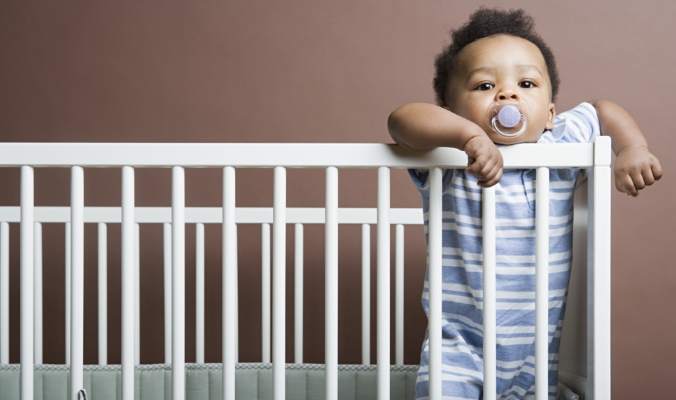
[
  {"x": 485, "y": 86},
  {"x": 527, "y": 84}
]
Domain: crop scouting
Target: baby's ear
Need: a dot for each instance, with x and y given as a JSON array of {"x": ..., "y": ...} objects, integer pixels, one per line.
[{"x": 550, "y": 117}]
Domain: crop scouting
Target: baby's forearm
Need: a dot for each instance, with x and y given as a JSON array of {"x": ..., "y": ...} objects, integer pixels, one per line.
[
  {"x": 426, "y": 126},
  {"x": 619, "y": 126}
]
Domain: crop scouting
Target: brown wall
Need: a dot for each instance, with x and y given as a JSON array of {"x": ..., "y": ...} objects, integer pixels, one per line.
[{"x": 308, "y": 71}]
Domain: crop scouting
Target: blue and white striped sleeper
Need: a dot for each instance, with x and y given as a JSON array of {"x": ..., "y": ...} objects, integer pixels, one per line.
[{"x": 462, "y": 271}]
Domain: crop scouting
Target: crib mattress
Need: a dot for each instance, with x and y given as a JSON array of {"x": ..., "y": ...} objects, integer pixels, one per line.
[{"x": 204, "y": 382}]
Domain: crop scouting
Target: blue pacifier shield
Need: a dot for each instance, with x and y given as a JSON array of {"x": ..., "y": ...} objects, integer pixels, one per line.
[{"x": 509, "y": 116}]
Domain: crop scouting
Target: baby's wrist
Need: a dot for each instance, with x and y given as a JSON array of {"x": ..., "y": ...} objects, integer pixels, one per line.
[
  {"x": 477, "y": 134},
  {"x": 632, "y": 147}
]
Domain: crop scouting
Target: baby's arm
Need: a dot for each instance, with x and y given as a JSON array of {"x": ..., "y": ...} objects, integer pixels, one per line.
[
  {"x": 426, "y": 126},
  {"x": 635, "y": 167}
]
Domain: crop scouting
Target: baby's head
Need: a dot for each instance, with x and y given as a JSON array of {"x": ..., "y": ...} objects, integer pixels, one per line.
[{"x": 498, "y": 57}]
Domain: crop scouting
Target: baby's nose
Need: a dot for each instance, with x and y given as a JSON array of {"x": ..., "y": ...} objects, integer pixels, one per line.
[{"x": 508, "y": 94}]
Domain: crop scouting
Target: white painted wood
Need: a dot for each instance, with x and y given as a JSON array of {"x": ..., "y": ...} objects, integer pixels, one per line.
[
  {"x": 137, "y": 294},
  {"x": 489, "y": 303},
  {"x": 515, "y": 156},
  {"x": 291, "y": 155},
  {"x": 128, "y": 278},
  {"x": 331, "y": 284},
  {"x": 542, "y": 284},
  {"x": 279, "y": 285},
  {"x": 383, "y": 284},
  {"x": 600, "y": 277},
  {"x": 103, "y": 293},
  {"x": 77, "y": 283},
  {"x": 266, "y": 293},
  {"x": 230, "y": 318},
  {"x": 298, "y": 294},
  {"x": 26, "y": 282},
  {"x": 37, "y": 290},
  {"x": 178, "y": 280},
  {"x": 365, "y": 294},
  {"x": 199, "y": 293},
  {"x": 214, "y": 215},
  {"x": 4, "y": 293},
  {"x": 167, "y": 291},
  {"x": 399, "y": 295},
  {"x": 435, "y": 280}
]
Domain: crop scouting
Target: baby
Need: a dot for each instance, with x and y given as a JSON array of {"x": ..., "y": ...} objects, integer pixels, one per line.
[{"x": 496, "y": 84}]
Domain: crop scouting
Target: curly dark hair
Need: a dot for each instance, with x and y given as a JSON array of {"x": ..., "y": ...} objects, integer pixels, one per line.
[{"x": 488, "y": 22}]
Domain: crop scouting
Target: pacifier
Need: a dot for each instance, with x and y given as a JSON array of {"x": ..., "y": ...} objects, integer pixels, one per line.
[{"x": 508, "y": 118}]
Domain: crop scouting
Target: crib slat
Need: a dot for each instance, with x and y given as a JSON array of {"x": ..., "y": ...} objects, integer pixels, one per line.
[
  {"x": 230, "y": 317},
  {"x": 178, "y": 290},
  {"x": 399, "y": 295},
  {"x": 77, "y": 284},
  {"x": 434, "y": 278},
  {"x": 103, "y": 292},
  {"x": 489, "y": 314},
  {"x": 199, "y": 293},
  {"x": 4, "y": 293},
  {"x": 137, "y": 294},
  {"x": 331, "y": 284},
  {"x": 383, "y": 284},
  {"x": 68, "y": 265},
  {"x": 279, "y": 285},
  {"x": 266, "y": 290},
  {"x": 37, "y": 243},
  {"x": 365, "y": 294},
  {"x": 128, "y": 278},
  {"x": 542, "y": 284},
  {"x": 167, "y": 292},
  {"x": 298, "y": 294},
  {"x": 26, "y": 294}
]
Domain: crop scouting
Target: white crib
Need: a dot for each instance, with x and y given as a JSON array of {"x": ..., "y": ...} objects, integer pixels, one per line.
[{"x": 585, "y": 348}]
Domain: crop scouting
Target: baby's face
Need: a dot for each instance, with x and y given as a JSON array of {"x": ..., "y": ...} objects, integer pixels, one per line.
[{"x": 498, "y": 68}]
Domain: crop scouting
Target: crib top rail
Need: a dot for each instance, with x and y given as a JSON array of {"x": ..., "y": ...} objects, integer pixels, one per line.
[
  {"x": 292, "y": 155},
  {"x": 214, "y": 215}
]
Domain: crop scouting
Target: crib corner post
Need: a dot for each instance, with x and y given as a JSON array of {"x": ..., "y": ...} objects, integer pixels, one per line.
[{"x": 598, "y": 270}]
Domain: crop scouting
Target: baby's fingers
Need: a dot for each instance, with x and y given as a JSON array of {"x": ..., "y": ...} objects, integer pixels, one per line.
[
  {"x": 656, "y": 170},
  {"x": 625, "y": 184},
  {"x": 638, "y": 182},
  {"x": 491, "y": 181},
  {"x": 484, "y": 169},
  {"x": 648, "y": 177}
]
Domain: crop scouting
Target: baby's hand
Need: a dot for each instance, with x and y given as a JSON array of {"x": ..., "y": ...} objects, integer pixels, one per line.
[
  {"x": 485, "y": 160},
  {"x": 636, "y": 168}
]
